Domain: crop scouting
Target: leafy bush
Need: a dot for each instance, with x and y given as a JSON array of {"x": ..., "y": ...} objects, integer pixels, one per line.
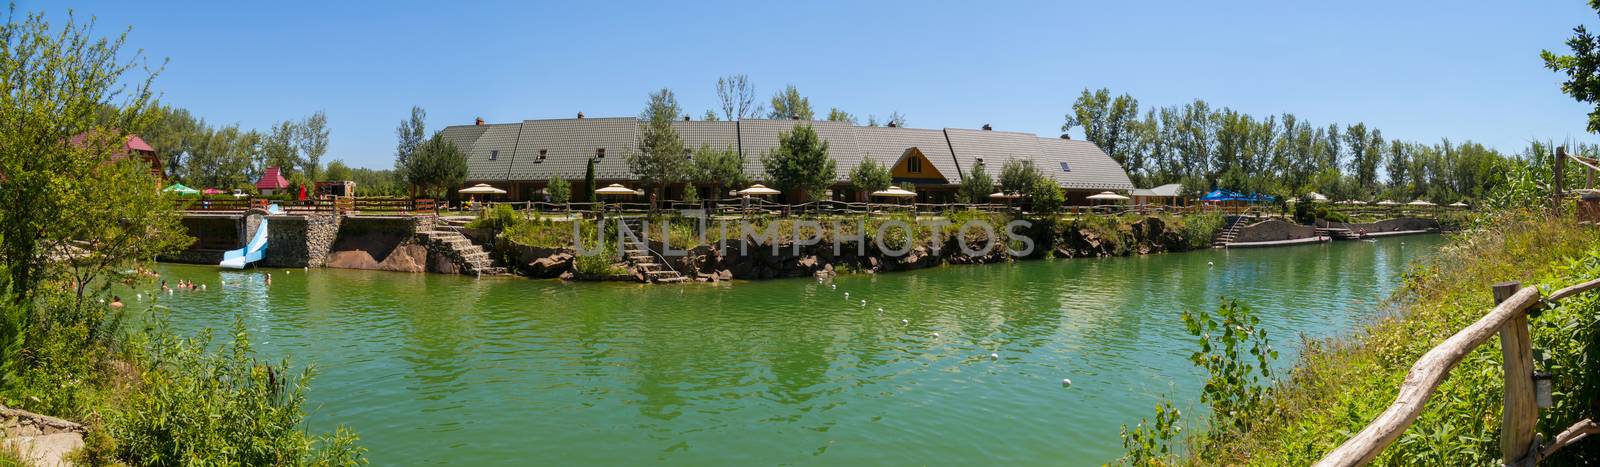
[
  {"x": 500, "y": 217},
  {"x": 1199, "y": 229},
  {"x": 200, "y": 408}
]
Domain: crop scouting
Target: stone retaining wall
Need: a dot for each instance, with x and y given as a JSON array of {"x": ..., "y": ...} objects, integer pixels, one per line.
[
  {"x": 1274, "y": 230},
  {"x": 300, "y": 241}
]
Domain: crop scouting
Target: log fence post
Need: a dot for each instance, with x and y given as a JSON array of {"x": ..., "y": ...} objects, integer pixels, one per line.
[{"x": 1520, "y": 415}]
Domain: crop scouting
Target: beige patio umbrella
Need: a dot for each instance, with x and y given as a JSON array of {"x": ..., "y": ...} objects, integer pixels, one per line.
[
  {"x": 1420, "y": 203},
  {"x": 895, "y": 192},
  {"x": 1387, "y": 203},
  {"x": 482, "y": 189},
  {"x": 616, "y": 190},
  {"x": 1004, "y": 195},
  {"x": 759, "y": 190},
  {"x": 1458, "y": 204},
  {"x": 1317, "y": 197},
  {"x": 1107, "y": 196}
]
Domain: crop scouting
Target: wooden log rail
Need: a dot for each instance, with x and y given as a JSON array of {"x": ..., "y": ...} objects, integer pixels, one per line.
[{"x": 1519, "y": 445}]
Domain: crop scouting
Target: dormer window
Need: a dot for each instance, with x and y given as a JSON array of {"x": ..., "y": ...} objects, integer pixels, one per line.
[
  {"x": 494, "y": 155},
  {"x": 543, "y": 153},
  {"x": 600, "y": 153}
]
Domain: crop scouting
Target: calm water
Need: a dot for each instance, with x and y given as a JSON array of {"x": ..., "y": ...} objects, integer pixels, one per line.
[{"x": 434, "y": 369}]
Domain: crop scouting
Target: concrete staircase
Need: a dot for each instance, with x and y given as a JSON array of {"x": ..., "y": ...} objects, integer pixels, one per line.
[
  {"x": 641, "y": 258},
  {"x": 472, "y": 259},
  {"x": 1227, "y": 234}
]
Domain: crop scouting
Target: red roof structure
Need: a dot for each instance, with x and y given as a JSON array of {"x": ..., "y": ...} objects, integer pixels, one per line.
[
  {"x": 272, "y": 180},
  {"x": 133, "y": 147}
]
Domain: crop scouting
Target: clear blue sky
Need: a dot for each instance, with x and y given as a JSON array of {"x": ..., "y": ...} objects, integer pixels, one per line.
[{"x": 1459, "y": 70}]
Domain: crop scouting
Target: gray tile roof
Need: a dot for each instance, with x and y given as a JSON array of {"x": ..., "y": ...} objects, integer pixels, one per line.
[
  {"x": 1090, "y": 168},
  {"x": 887, "y": 145},
  {"x": 718, "y": 135},
  {"x": 568, "y": 144},
  {"x": 481, "y": 161},
  {"x": 993, "y": 147}
]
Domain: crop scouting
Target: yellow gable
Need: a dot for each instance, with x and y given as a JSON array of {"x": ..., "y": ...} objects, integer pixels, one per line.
[{"x": 914, "y": 165}]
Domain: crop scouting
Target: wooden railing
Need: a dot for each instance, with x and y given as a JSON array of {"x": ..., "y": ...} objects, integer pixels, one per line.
[{"x": 1519, "y": 445}]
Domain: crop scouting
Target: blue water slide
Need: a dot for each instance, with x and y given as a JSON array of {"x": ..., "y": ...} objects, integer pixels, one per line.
[{"x": 252, "y": 251}]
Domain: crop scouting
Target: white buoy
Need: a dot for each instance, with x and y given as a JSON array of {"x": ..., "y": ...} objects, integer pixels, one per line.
[
  {"x": 863, "y": 303},
  {"x": 1066, "y": 383},
  {"x": 202, "y": 287},
  {"x": 936, "y": 334},
  {"x": 139, "y": 296},
  {"x": 905, "y": 321},
  {"x": 1210, "y": 264},
  {"x": 833, "y": 286},
  {"x": 847, "y": 295},
  {"x": 994, "y": 356},
  {"x": 880, "y": 309}
]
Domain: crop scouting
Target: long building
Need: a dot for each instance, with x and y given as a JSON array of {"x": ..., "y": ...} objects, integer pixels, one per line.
[{"x": 521, "y": 157}]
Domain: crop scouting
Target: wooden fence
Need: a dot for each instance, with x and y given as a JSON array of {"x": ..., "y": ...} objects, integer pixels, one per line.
[{"x": 1519, "y": 445}]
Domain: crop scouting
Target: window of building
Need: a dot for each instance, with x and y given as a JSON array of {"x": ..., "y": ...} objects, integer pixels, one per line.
[
  {"x": 1065, "y": 167},
  {"x": 600, "y": 153},
  {"x": 914, "y": 165},
  {"x": 543, "y": 153},
  {"x": 494, "y": 155}
]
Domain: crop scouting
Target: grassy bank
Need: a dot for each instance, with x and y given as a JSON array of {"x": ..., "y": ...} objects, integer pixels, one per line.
[{"x": 1338, "y": 386}]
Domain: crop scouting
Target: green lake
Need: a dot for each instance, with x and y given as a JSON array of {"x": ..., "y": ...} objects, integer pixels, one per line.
[{"x": 438, "y": 369}]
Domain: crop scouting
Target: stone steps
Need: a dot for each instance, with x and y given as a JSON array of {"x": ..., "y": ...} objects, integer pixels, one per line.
[
  {"x": 642, "y": 259},
  {"x": 471, "y": 258}
]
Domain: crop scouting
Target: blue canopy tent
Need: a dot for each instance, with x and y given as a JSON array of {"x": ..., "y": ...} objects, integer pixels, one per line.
[{"x": 1227, "y": 195}]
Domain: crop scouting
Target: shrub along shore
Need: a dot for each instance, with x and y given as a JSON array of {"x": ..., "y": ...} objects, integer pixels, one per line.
[
  {"x": 1338, "y": 386},
  {"x": 543, "y": 247}
]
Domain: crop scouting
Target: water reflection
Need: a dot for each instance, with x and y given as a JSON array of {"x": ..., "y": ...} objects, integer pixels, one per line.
[{"x": 436, "y": 368}]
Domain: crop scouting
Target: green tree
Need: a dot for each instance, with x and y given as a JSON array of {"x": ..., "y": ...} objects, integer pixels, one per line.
[
  {"x": 588, "y": 181},
  {"x": 311, "y": 138},
  {"x": 800, "y": 166},
  {"x": 1109, "y": 123},
  {"x": 279, "y": 149},
  {"x": 869, "y": 176},
  {"x": 788, "y": 104},
  {"x": 560, "y": 190},
  {"x": 59, "y": 84},
  {"x": 436, "y": 167},
  {"x": 1018, "y": 175},
  {"x": 836, "y": 115},
  {"x": 1582, "y": 69},
  {"x": 659, "y": 158},
  {"x": 337, "y": 170},
  {"x": 719, "y": 168},
  {"x": 977, "y": 185},
  {"x": 411, "y": 133}
]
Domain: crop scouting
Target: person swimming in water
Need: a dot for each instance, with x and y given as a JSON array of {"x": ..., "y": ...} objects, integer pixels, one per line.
[{"x": 116, "y": 302}]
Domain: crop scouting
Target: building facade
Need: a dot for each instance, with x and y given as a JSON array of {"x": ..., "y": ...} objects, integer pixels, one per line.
[{"x": 522, "y": 157}]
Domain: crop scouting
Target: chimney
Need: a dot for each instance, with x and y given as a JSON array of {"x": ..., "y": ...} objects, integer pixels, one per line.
[
  {"x": 986, "y": 127},
  {"x": 685, "y": 118},
  {"x": 1066, "y": 136},
  {"x": 795, "y": 117},
  {"x": 478, "y": 122},
  {"x": 892, "y": 124},
  {"x": 580, "y": 115}
]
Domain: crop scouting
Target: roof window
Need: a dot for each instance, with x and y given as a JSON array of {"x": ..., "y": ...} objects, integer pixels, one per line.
[{"x": 1065, "y": 167}]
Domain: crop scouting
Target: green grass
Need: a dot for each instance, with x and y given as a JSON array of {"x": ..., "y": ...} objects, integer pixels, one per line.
[{"x": 1338, "y": 386}]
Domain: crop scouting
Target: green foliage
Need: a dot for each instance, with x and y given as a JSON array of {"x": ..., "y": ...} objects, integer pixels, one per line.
[
  {"x": 588, "y": 182},
  {"x": 436, "y": 168},
  {"x": 719, "y": 168},
  {"x": 1582, "y": 69},
  {"x": 1109, "y": 123},
  {"x": 560, "y": 190},
  {"x": 1150, "y": 443},
  {"x": 1238, "y": 356},
  {"x": 501, "y": 217},
  {"x": 599, "y": 264},
  {"x": 870, "y": 176},
  {"x": 800, "y": 163},
  {"x": 836, "y": 115},
  {"x": 1199, "y": 229},
  {"x": 1018, "y": 175},
  {"x": 411, "y": 133},
  {"x": 659, "y": 157},
  {"x": 1338, "y": 386},
  {"x": 788, "y": 104},
  {"x": 691, "y": 194},
  {"x": 976, "y": 186},
  {"x": 201, "y": 408}
]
